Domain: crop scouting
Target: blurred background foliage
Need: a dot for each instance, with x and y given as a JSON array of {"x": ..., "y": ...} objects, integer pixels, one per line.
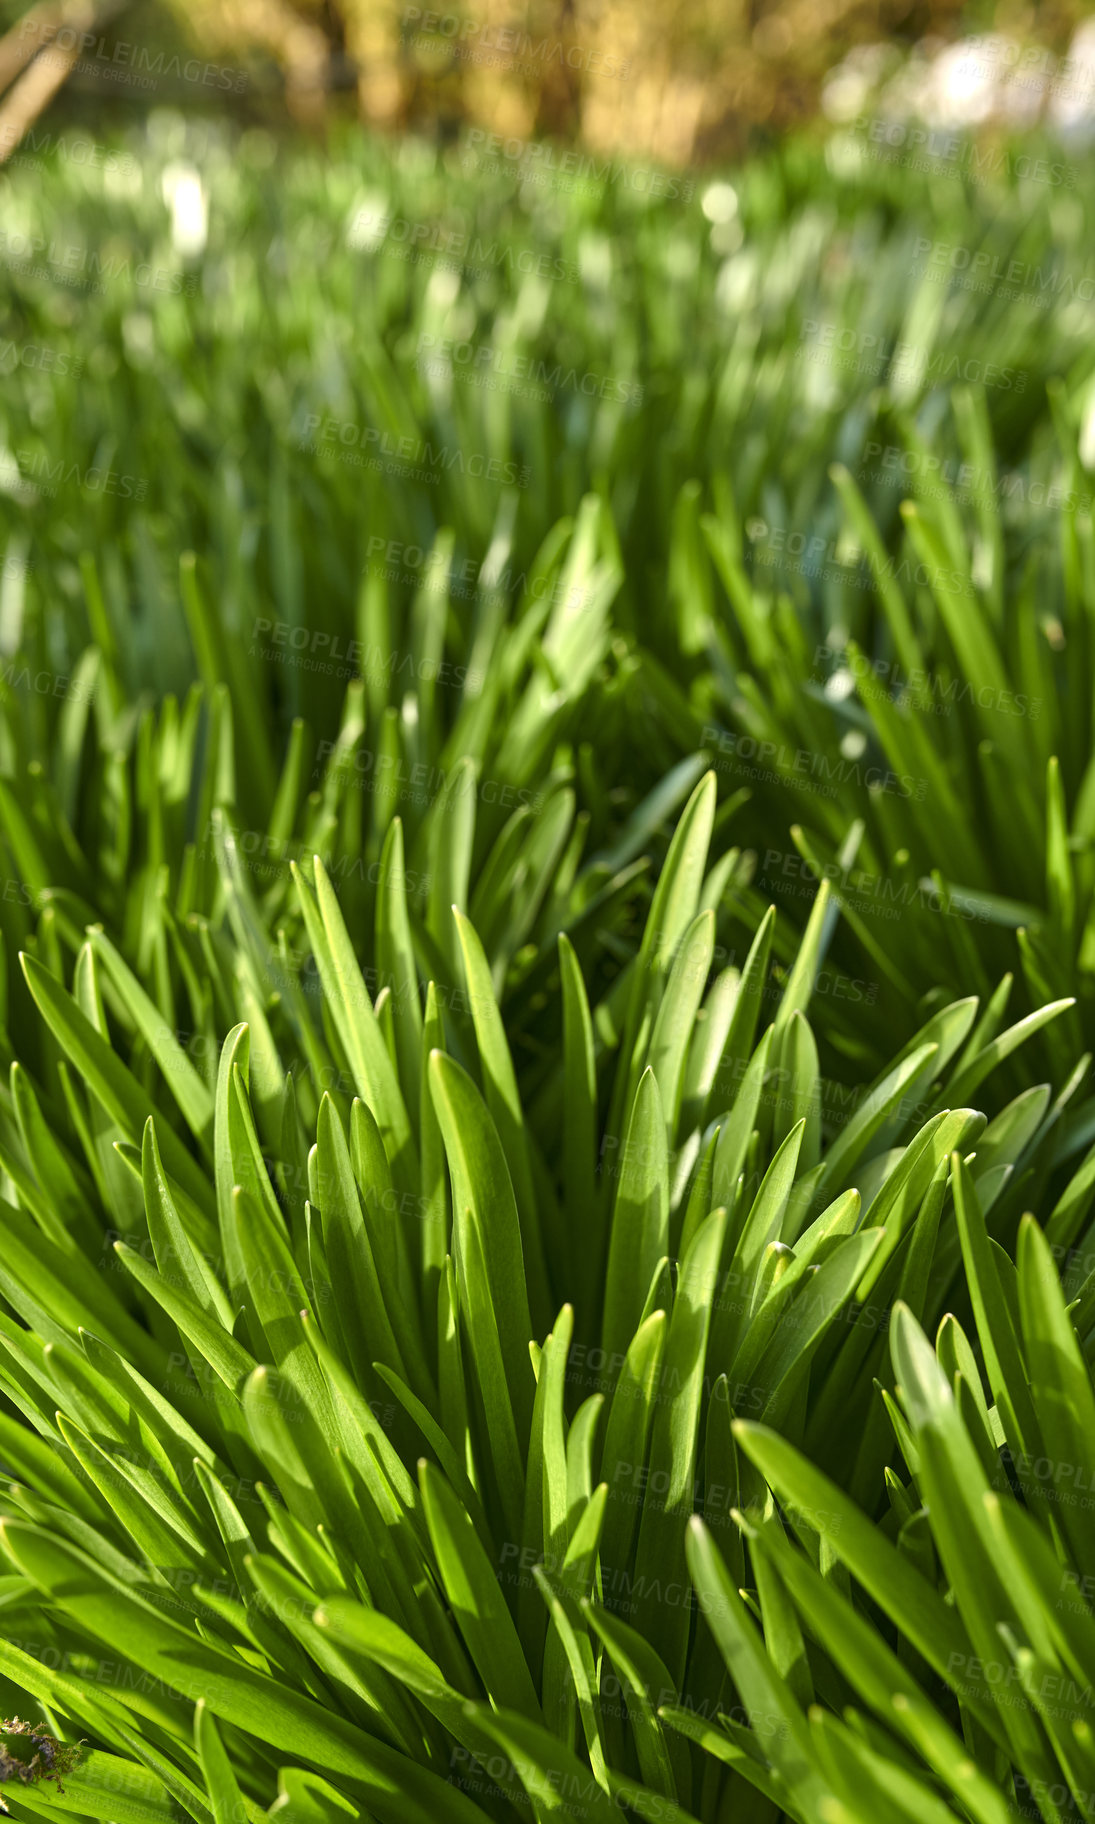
[
  {"x": 384, "y": 387},
  {"x": 677, "y": 81}
]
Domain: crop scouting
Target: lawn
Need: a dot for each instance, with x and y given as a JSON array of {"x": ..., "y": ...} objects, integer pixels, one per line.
[{"x": 546, "y": 895}]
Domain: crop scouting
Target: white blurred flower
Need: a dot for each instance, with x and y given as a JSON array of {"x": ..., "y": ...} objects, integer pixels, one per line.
[
  {"x": 841, "y": 685},
  {"x": 1087, "y": 432},
  {"x": 369, "y": 222},
  {"x": 720, "y": 202},
  {"x": 989, "y": 78},
  {"x": 727, "y": 237},
  {"x": 737, "y": 282},
  {"x": 964, "y": 83},
  {"x": 442, "y": 289},
  {"x": 184, "y": 194},
  {"x": 971, "y": 83}
]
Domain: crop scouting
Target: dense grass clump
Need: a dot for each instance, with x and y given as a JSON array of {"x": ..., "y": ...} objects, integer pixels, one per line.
[{"x": 548, "y": 1148}]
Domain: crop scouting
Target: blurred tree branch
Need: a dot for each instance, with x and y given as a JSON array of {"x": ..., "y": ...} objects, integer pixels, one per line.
[{"x": 36, "y": 57}]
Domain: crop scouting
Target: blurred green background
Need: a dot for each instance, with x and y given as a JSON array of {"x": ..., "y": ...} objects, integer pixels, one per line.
[{"x": 395, "y": 386}]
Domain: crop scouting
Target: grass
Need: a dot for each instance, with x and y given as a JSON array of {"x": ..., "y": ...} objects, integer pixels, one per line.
[{"x": 523, "y": 1295}]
